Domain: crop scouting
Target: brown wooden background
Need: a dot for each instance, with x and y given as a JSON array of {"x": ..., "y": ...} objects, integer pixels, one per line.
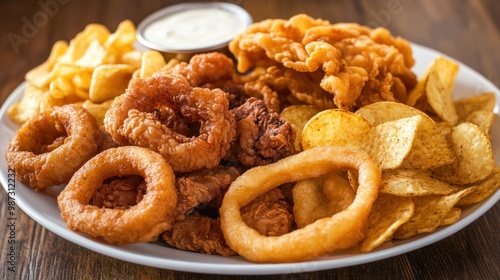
[{"x": 466, "y": 30}]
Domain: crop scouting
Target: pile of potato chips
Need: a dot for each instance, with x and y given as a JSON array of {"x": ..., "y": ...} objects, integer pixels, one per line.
[
  {"x": 92, "y": 69},
  {"x": 433, "y": 159}
]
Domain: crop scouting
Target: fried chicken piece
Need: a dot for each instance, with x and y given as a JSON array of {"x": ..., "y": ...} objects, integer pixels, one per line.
[
  {"x": 120, "y": 193},
  {"x": 199, "y": 234},
  {"x": 270, "y": 214},
  {"x": 209, "y": 68},
  {"x": 262, "y": 137},
  {"x": 201, "y": 187},
  {"x": 358, "y": 65}
]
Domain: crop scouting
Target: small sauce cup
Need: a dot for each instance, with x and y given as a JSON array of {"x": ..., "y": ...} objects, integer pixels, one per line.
[{"x": 181, "y": 30}]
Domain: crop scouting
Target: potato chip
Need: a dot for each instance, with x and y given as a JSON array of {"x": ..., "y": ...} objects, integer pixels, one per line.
[
  {"x": 423, "y": 154},
  {"x": 82, "y": 80},
  {"x": 132, "y": 58},
  {"x": 78, "y": 46},
  {"x": 97, "y": 110},
  {"x": 49, "y": 100},
  {"x": 384, "y": 111},
  {"x": 389, "y": 143},
  {"x": 94, "y": 55},
  {"x": 152, "y": 61},
  {"x": 320, "y": 197},
  {"x": 475, "y": 160},
  {"x": 452, "y": 217},
  {"x": 335, "y": 128},
  {"x": 482, "y": 190},
  {"x": 39, "y": 74},
  {"x": 298, "y": 116},
  {"x": 122, "y": 38},
  {"x": 482, "y": 118},
  {"x": 61, "y": 88},
  {"x": 439, "y": 88},
  {"x": 29, "y": 106},
  {"x": 429, "y": 211},
  {"x": 413, "y": 182},
  {"x": 434, "y": 90},
  {"x": 388, "y": 213},
  {"x": 109, "y": 81},
  {"x": 480, "y": 102}
]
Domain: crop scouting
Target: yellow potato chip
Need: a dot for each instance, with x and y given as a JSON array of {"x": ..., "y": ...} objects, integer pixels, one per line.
[
  {"x": 482, "y": 190},
  {"x": 335, "y": 128},
  {"x": 109, "y": 81},
  {"x": 97, "y": 110},
  {"x": 475, "y": 160},
  {"x": 82, "y": 80},
  {"x": 49, "y": 100},
  {"x": 429, "y": 211},
  {"x": 132, "y": 58},
  {"x": 94, "y": 55},
  {"x": 60, "y": 70},
  {"x": 430, "y": 148},
  {"x": 298, "y": 116},
  {"x": 78, "y": 46},
  {"x": 439, "y": 89},
  {"x": 123, "y": 37},
  {"x": 384, "y": 111},
  {"x": 152, "y": 61},
  {"x": 38, "y": 74},
  {"x": 480, "y": 102},
  {"x": 388, "y": 213},
  {"x": 413, "y": 182},
  {"x": 28, "y": 106},
  {"x": 452, "y": 217},
  {"x": 483, "y": 119},
  {"x": 61, "y": 88},
  {"x": 435, "y": 89},
  {"x": 389, "y": 143}
]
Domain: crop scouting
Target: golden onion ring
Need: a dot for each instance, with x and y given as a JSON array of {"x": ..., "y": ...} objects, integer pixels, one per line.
[{"x": 342, "y": 230}]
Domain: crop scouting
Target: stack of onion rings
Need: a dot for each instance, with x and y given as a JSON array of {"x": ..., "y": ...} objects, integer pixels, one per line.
[{"x": 340, "y": 231}]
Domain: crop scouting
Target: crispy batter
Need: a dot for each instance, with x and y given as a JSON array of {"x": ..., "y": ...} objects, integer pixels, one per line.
[
  {"x": 120, "y": 193},
  {"x": 136, "y": 117},
  {"x": 201, "y": 187},
  {"x": 49, "y": 148},
  {"x": 262, "y": 136},
  {"x": 200, "y": 234},
  {"x": 357, "y": 65},
  {"x": 145, "y": 221},
  {"x": 269, "y": 214},
  {"x": 210, "y": 68}
]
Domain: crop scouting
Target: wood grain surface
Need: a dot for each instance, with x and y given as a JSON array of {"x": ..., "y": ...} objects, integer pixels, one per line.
[{"x": 466, "y": 30}]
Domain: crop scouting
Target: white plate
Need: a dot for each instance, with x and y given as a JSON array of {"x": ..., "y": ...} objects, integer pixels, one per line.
[{"x": 43, "y": 208}]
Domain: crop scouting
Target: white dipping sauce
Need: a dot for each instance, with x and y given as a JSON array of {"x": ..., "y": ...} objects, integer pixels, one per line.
[{"x": 193, "y": 29}]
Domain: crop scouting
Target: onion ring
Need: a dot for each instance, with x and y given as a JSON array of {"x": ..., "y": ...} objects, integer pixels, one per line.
[
  {"x": 143, "y": 222},
  {"x": 48, "y": 149},
  {"x": 132, "y": 120},
  {"x": 342, "y": 230}
]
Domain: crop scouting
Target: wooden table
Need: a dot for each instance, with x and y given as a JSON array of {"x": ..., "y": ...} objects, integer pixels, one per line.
[{"x": 465, "y": 30}]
